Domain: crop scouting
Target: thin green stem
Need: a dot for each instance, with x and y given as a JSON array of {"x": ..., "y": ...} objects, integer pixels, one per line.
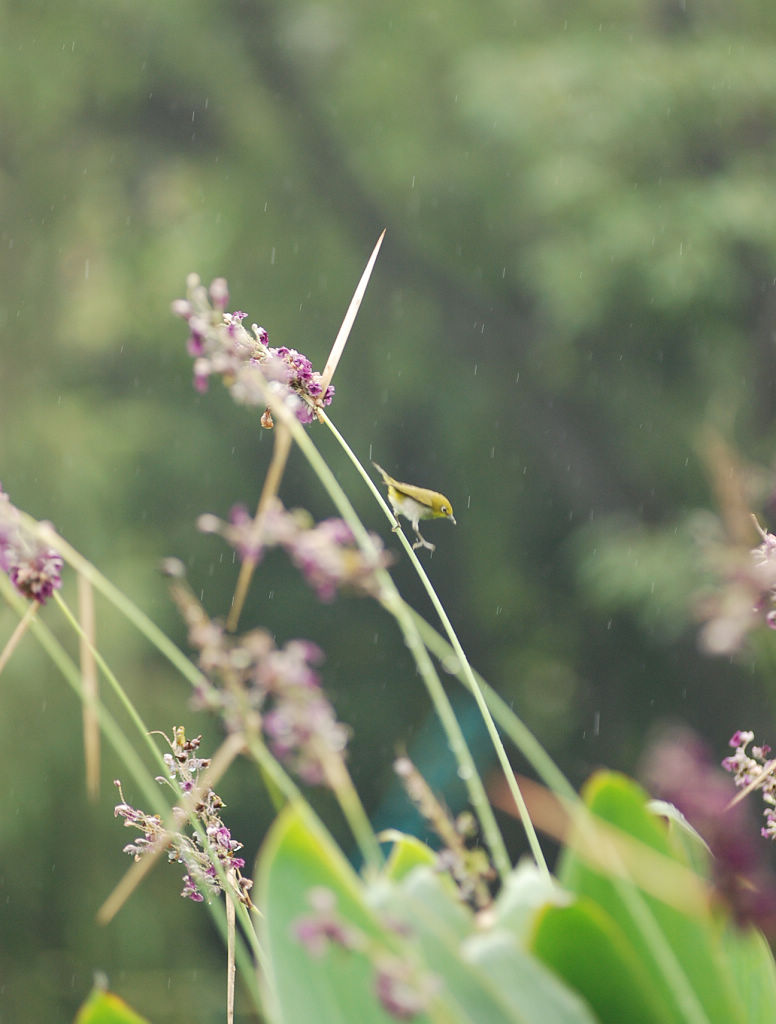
[
  {"x": 353, "y": 810},
  {"x": 113, "y": 682},
  {"x": 342, "y": 786},
  {"x": 394, "y": 603},
  {"x": 21, "y": 628},
  {"x": 269, "y": 491},
  {"x": 138, "y": 618},
  {"x": 112, "y": 732},
  {"x": 466, "y": 670},
  {"x": 522, "y": 737}
]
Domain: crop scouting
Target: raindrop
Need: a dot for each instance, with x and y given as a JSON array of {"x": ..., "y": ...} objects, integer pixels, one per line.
[{"x": 464, "y": 772}]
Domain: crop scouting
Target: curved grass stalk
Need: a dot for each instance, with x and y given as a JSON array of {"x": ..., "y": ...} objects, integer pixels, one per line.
[
  {"x": 347, "y": 796},
  {"x": 110, "y": 728},
  {"x": 115, "y": 685},
  {"x": 511, "y": 724},
  {"x": 16, "y": 637},
  {"x": 395, "y": 604},
  {"x": 466, "y": 669},
  {"x": 270, "y": 489},
  {"x": 146, "y": 626}
]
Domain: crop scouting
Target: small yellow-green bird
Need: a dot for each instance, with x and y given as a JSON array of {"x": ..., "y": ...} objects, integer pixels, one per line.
[{"x": 416, "y": 503}]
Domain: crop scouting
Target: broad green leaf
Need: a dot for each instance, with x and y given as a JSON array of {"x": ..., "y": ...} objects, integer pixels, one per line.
[
  {"x": 429, "y": 908},
  {"x": 408, "y": 852},
  {"x": 533, "y": 993},
  {"x": 589, "y": 951},
  {"x": 338, "y": 985},
  {"x": 752, "y": 966},
  {"x": 678, "y": 942},
  {"x": 105, "y": 1008},
  {"x": 510, "y": 988}
]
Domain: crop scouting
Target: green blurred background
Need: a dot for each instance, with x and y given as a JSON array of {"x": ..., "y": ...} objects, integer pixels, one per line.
[{"x": 579, "y": 277}]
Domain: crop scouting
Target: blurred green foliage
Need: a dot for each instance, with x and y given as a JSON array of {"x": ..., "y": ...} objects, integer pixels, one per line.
[{"x": 578, "y": 276}]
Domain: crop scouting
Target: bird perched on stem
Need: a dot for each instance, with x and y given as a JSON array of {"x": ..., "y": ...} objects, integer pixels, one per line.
[{"x": 416, "y": 503}]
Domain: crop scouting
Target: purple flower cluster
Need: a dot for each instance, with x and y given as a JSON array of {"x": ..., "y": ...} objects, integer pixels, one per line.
[
  {"x": 221, "y": 346},
  {"x": 35, "y": 568},
  {"x": 255, "y": 685},
  {"x": 201, "y": 879},
  {"x": 745, "y": 597},
  {"x": 680, "y": 770},
  {"x": 326, "y": 553}
]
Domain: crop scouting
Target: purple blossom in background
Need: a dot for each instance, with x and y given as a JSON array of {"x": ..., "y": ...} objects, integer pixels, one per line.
[
  {"x": 679, "y": 769},
  {"x": 744, "y": 596},
  {"x": 34, "y": 568},
  {"x": 221, "y": 346},
  {"x": 254, "y": 684},
  {"x": 279, "y": 528},
  {"x": 327, "y": 553},
  {"x": 301, "y": 729},
  {"x": 330, "y": 559}
]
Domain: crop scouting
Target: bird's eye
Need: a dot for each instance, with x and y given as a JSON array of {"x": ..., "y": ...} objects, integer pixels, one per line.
[{"x": 445, "y": 510}]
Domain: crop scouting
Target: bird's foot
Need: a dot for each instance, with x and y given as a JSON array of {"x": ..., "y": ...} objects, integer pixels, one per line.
[{"x": 421, "y": 542}]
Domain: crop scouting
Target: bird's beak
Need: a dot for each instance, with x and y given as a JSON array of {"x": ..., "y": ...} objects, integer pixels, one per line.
[{"x": 452, "y": 520}]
